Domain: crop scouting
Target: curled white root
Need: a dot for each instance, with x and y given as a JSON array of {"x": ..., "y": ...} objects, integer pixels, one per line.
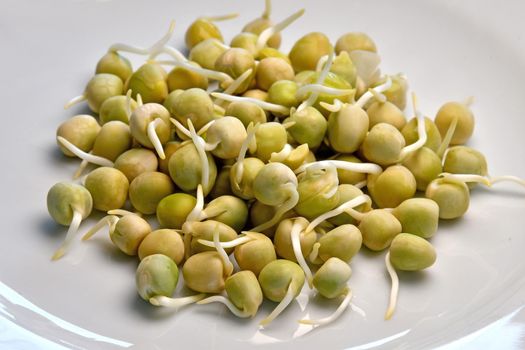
[
  {"x": 230, "y": 90},
  {"x": 334, "y": 108},
  {"x": 75, "y": 100},
  {"x": 154, "y": 138},
  {"x": 321, "y": 89},
  {"x": 272, "y": 107},
  {"x": 314, "y": 254},
  {"x": 295, "y": 235},
  {"x": 367, "y": 96},
  {"x": 288, "y": 298},
  {"x": 340, "y": 309},
  {"x": 71, "y": 232},
  {"x": 279, "y": 157},
  {"x": 268, "y": 32},
  {"x": 110, "y": 221},
  {"x": 196, "y": 213},
  {"x": 175, "y": 303},
  {"x": 123, "y": 212},
  {"x": 228, "y": 266},
  {"x": 484, "y": 180},
  {"x": 226, "y": 245},
  {"x": 421, "y": 131},
  {"x": 281, "y": 209},
  {"x": 395, "y": 288},
  {"x": 220, "y": 299},
  {"x": 84, "y": 155},
  {"x": 320, "y": 80},
  {"x": 250, "y": 135},
  {"x": 446, "y": 140},
  {"x": 343, "y": 208},
  {"x": 369, "y": 168}
]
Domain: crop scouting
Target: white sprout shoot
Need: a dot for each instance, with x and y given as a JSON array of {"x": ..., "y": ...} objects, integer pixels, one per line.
[
  {"x": 332, "y": 173},
  {"x": 153, "y": 137},
  {"x": 196, "y": 213},
  {"x": 227, "y": 264},
  {"x": 282, "y": 154},
  {"x": 446, "y": 140},
  {"x": 83, "y": 164},
  {"x": 201, "y": 150},
  {"x": 288, "y": 298},
  {"x": 75, "y": 100},
  {"x": 268, "y": 32},
  {"x": 123, "y": 212},
  {"x": 367, "y": 96},
  {"x": 221, "y": 299},
  {"x": 357, "y": 215},
  {"x": 221, "y": 17},
  {"x": 208, "y": 73},
  {"x": 175, "y": 303},
  {"x": 335, "y": 107},
  {"x": 321, "y": 63},
  {"x": 227, "y": 245},
  {"x": 145, "y": 51},
  {"x": 314, "y": 254},
  {"x": 395, "y": 287},
  {"x": 485, "y": 180},
  {"x": 128, "y": 104},
  {"x": 381, "y": 98},
  {"x": 369, "y": 168},
  {"x": 295, "y": 236},
  {"x": 91, "y": 158},
  {"x": 71, "y": 233},
  {"x": 421, "y": 131},
  {"x": 250, "y": 135},
  {"x": 139, "y": 100},
  {"x": 320, "y": 80},
  {"x": 267, "y": 9},
  {"x": 267, "y": 106},
  {"x": 230, "y": 90},
  {"x": 288, "y": 204},
  {"x": 361, "y": 184},
  {"x": 321, "y": 89},
  {"x": 109, "y": 220},
  {"x": 343, "y": 208},
  {"x": 338, "y": 312}
]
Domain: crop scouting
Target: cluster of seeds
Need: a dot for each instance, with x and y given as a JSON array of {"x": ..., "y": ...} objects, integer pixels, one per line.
[{"x": 291, "y": 162}]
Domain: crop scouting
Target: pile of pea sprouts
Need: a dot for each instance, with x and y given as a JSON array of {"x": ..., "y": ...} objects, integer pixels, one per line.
[{"x": 264, "y": 170}]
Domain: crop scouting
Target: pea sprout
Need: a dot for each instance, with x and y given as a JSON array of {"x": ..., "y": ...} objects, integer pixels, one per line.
[
  {"x": 84, "y": 155},
  {"x": 296, "y": 245},
  {"x": 485, "y": 180},
  {"x": 368, "y": 168},
  {"x": 267, "y": 33},
  {"x": 176, "y": 303},
  {"x": 320, "y": 80},
  {"x": 337, "y": 313},
  {"x": 146, "y": 51},
  {"x": 267, "y": 106},
  {"x": 395, "y": 287}
]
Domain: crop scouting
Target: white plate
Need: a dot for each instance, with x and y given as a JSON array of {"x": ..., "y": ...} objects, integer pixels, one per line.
[{"x": 450, "y": 50}]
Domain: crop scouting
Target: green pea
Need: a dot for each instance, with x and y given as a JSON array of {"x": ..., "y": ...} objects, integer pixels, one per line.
[
  {"x": 156, "y": 275},
  {"x": 116, "y": 64},
  {"x": 283, "y": 240},
  {"x": 273, "y": 69},
  {"x": 244, "y": 291},
  {"x": 246, "y": 112},
  {"x": 355, "y": 41},
  {"x": 411, "y": 253},
  {"x": 386, "y": 112},
  {"x": 150, "y": 82},
  {"x": 344, "y": 67},
  {"x": 342, "y": 242},
  {"x": 129, "y": 232},
  {"x": 173, "y": 210},
  {"x": 331, "y": 279},
  {"x": 232, "y": 211},
  {"x": 391, "y": 187},
  {"x": 64, "y": 198},
  {"x": 425, "y": 165},
  {"x": 261, "y": 213},
  {"x": 310, "y": 127},
  {"x": 200, "y": 30},
  {"x": 347, "y": 129},
  {"x": 296, "y": 157},
  {"x": 433, "y": 137},
  {"x": 269, "y": 182},
  {"x": 279, "y": 275},
  {"x": 266, "y": 52},
  {"x": 270, "y": 137},
  {"x": 397, "y": 92},
  {"x": 465, "y": 160},
  {"x": 452, "y": 197},
  {"x": 229, "y": 133},
  {"x": 206, "y": 52},
  {"x": 383, "y": 144},
  {"x": 100, "y": 88},
  {"x": 143, "y": 116},
  {"x": 205, "y": 230},
  {"x": 258, "y": 94},
  {"x": 465, "y": 121},
  {"x": 308, "y": 50},
  {"x": 251, "y": 167},
  {"x": 185, "y": 169},
  {"x": 113, "y": 139},
  {"x": 346, "y": 193},
  {"x": 283, "y": 92},
  {"x": 247, "y": 41},
  {"x": 258, "y": 25},
  {"x": 169, "y": 148},
  {"x": 317, "y": 193},
  {"x": 136, "y": 161},
  {"x": 379, "y": 228},
  {"x": 205, "y": 273},
  {"x": 234, "y": 62},
  {"x": 418, "y": 216},
  {"x": 115, "y": 108},
  {"x": 194, "y": 104},
  {"x": 222, "y": 185},
  {"x": 108, "y": 187},
  {"x": 347, "y": 176},
  {"x": 148, "y": 189},
  {"x": 254, "y": 255},
  {"x": 81, "y": 130},
  {"x": 183, "y": 78},
  {"x": 164, "y": 241}
]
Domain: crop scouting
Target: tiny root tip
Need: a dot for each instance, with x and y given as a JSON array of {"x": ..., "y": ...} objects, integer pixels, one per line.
[{"x": 58, "y": 254}]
